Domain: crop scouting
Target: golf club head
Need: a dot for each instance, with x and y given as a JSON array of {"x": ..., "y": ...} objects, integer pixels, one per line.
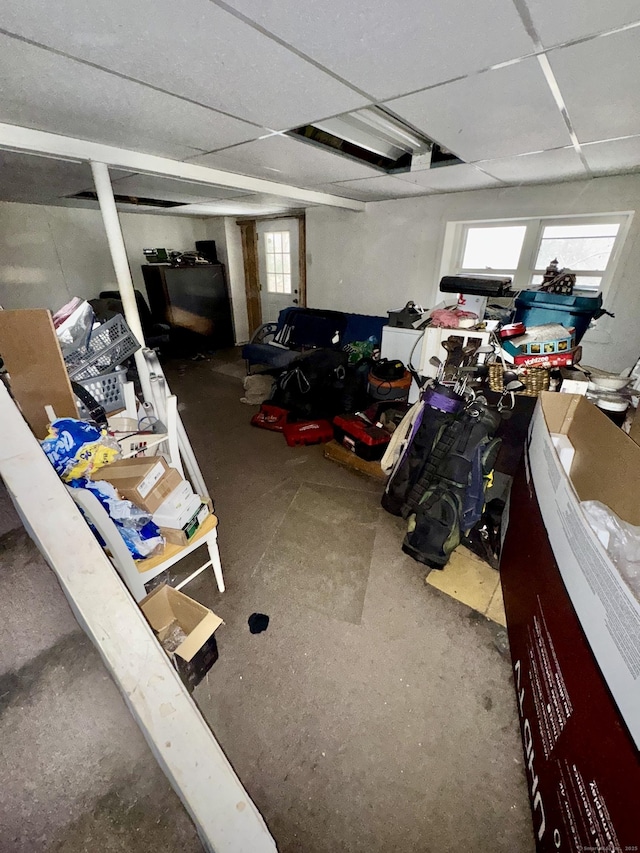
[
  {"x": 509, "y": 376},
  {"x": 514, "y": 386}
]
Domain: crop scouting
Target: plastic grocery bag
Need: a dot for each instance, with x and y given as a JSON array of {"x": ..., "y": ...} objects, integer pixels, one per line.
[
  {"x": 141, "y": 536},
  {"x": 73, "y": 324},
  {"x": 620, "y": 540},
  {"x": 76, "y": 448}
]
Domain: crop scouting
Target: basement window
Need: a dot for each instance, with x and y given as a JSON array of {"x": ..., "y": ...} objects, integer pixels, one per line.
[
  {"x": 589, "y": 246},
  {"x": 278, "y": 257}
]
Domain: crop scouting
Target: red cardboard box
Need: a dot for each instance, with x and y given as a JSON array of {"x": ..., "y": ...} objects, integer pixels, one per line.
[{"x": 574, "y": 632}]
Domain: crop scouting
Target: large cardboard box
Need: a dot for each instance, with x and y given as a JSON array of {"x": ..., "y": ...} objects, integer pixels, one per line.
[
  {"x": 145, "y": 481},
  {"x": 574, "y": 631},
  {"x": 166, "y": 610}
]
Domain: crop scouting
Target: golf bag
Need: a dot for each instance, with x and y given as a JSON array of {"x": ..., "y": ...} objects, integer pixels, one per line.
[{"x": 438, "y": 485}]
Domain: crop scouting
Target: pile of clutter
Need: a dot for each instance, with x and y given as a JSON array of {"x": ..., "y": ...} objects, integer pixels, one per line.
[
  {"x": 326, "y": 394},
  {"x": 148, "y": 501}
]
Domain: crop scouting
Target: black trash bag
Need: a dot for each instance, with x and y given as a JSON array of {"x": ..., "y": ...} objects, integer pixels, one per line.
[{"x": 312, "y": 386}]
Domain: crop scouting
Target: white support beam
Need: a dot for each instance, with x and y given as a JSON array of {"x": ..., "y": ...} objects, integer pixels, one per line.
[
  {"x": 107, "y": 203},
  {"x": 15, "y": 138},
  {"x": 184, "y": 746}
]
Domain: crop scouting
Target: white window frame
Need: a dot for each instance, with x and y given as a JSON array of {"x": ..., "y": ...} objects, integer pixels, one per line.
[{"x": 456, "y": 233}]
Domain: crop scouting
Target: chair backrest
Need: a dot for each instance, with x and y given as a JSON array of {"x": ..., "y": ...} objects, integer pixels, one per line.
[
  {"x": 143, "y": 309},
  {"x": 363, "y": 326}
]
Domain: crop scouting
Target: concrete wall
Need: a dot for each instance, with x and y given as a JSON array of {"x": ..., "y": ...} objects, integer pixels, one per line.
[
  {"x": 377, "y": 260},
  {"x": 224, "y": 230},
  {"x": 49, "y": 254}
]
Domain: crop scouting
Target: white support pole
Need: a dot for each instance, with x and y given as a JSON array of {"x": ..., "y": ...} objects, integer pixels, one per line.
[{"x": 104, "y": 191}]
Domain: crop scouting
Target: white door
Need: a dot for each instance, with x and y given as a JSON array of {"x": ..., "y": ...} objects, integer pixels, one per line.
[{"x": 278, "y": 263}]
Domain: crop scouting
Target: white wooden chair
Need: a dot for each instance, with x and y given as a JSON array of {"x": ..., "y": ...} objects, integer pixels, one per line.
[{"x": 137, "y": 573}]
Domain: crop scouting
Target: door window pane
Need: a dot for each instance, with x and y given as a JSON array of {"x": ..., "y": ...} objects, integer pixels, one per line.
[
  {"x": 493, "y": 248},
  {"x": 278, "y": 261}
]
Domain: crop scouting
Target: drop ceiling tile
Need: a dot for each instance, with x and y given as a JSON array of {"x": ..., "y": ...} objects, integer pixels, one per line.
[
  {"x": 563, "y": 164},
  {"x": 190, "y": 48},
  {"x": 556, "y": 22},
  {"x": 496, "y": 114},
  {"x": 389, "y": 49},
  {"x": 451, "y": 178},
  {"x": 281, "y": 158},
  {"x": 599, "y": 83},
  {"x": 614, "y": 156},
  {"x": 43, "y": 90},
  {"x": 374, "y": 189},
  {"x": 30, "y": 179},
  {"x": 157, "y": 186}
]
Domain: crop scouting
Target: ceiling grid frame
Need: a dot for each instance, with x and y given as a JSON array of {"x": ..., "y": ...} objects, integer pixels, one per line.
[{"x": 527, "y": 11}]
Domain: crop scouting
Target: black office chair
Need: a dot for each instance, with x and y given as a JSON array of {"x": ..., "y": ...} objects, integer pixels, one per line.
[{"x": 157, "y": 335}]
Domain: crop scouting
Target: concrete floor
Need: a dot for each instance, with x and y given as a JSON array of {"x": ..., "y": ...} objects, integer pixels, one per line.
[
  {"x": 78, "y": 776},
  {"x": 375, "y": 713}
]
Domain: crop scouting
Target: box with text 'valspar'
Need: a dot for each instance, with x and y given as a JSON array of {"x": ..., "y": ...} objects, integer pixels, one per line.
[
  {"x": 186, "y": 631},
  {"x": 574, "y": 629}
]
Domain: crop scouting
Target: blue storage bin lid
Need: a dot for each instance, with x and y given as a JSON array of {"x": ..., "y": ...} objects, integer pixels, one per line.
[{"x": 559, "y": 301}]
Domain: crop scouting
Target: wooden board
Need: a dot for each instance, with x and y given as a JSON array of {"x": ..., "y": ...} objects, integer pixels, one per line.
[
  {"x": 37, "y": 373},
  {"x": 337, "y": 453},
  {"x": 251, "y": 276}
]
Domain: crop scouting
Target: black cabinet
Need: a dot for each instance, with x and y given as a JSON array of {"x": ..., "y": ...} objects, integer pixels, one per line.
[{"x": 194, "y": 301}]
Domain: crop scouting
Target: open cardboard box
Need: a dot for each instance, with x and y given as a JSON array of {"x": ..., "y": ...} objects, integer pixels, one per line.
[
  {"x": 195, "y": 655},
  {"x": 606, "y": 468}
]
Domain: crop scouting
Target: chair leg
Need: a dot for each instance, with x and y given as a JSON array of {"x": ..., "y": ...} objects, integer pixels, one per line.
[{"x": 214, "y": 554}]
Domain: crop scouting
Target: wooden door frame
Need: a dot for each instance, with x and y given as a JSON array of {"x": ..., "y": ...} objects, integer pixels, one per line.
[{"x": 249, "y": 234}]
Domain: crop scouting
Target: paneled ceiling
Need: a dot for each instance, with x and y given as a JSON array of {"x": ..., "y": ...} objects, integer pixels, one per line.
[{"x": 524, "y": 91}]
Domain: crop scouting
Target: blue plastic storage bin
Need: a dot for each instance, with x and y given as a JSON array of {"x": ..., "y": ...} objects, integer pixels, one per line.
[{"x": 536, "y": 308}]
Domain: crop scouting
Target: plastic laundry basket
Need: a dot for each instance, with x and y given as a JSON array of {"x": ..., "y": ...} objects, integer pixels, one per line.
[{"x": 536, "y": 308}]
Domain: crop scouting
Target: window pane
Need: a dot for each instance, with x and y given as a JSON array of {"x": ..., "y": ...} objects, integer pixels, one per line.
[
  {"x": 606, "y": 230},
  {"x": 588, "y": 282},
  {"x": 270, "y": 263},
  {"x": 583, "y": 282},
  {"x": 278, "y": 262},
  {"x": 286, "y": 283},
  {"x": 286, "y": 263},
  {"x": 271, "y": 283},
  {"x": 279, "y": 283},
  {"x": 496, "y": 248},
  {"x": 268, "y": 241},
  {"x": 277, "y": 242},
  {"x": 285, "y": 241},
  {"x": 577, "y": 253}
]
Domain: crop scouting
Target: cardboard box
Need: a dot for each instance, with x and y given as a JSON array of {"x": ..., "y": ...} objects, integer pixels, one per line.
[
  {"x": 541, "y": 340},
  {"x": 178, "y": 508},
  {"x": 606, "y": 468},
  {"x": 574, "y": 631},
  {"x": 164, "y": 608},
  {"x": 145, "y": 481},
  {"x": 184, "y": 534}
]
